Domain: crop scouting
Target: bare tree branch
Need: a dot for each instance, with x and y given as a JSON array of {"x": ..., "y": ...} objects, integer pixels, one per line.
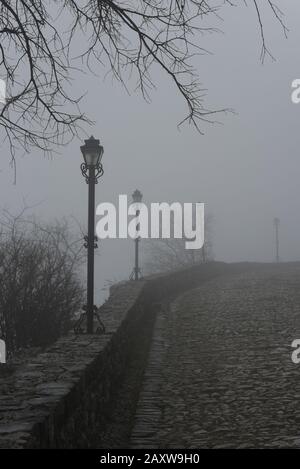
[{"x": 130, "y": 38}]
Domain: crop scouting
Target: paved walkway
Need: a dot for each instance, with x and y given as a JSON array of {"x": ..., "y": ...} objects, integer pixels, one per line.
[{"x": 220, "y": 372}]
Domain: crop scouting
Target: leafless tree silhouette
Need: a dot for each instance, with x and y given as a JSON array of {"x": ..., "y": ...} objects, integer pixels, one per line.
[
  {"x": 163, "y": 255},
  {"x": 129, "y": 37},
  {"x": 40, "y": 280}
]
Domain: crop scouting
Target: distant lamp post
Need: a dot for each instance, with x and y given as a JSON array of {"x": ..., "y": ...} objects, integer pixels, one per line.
[
  {"x": 92, "y": 170},
  {"x": 137, "y": 196},
  {"x": 276, "y": 223},
  {"x": 136, "y": 273}
]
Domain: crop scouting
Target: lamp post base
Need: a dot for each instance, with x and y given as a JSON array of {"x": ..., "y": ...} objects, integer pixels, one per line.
[
  {"x": 135, "y": 275},
  {"x": 80, "y": 326}
]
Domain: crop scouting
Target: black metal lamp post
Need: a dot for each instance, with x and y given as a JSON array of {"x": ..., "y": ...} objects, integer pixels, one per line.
[
  {"x": 92, "y": 170},
  {"x": 137, "y": 198}
]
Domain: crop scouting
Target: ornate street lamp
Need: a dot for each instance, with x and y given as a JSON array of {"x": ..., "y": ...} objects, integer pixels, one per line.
[
  {"x": 136, "y": 273},
  {"x": 92, "y": 170}
]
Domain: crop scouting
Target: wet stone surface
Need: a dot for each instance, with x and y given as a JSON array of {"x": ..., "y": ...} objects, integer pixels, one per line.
[{"x": 221, "y": 368}]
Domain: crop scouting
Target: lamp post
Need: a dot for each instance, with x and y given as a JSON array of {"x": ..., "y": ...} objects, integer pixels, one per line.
[
  {"x": 136, "y": 198},
  {"x": 92, "y": 170},
  {"x": 276, "y": 222}
]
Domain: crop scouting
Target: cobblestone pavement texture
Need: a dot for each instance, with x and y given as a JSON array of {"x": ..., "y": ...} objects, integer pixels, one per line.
[{"x": 220, "y": 372}]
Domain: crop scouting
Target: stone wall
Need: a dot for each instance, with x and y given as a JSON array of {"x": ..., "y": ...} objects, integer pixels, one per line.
[{"x": 65, "y": 396}]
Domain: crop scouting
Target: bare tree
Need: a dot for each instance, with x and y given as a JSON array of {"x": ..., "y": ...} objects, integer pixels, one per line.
[
  {"x": 162, "y": 255},
  {"x": 39, "y": 278},
  {"x": 130, "y": 38}
]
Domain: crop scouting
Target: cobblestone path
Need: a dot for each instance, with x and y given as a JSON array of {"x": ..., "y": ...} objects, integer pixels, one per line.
[{"x": 220, "y": 372}]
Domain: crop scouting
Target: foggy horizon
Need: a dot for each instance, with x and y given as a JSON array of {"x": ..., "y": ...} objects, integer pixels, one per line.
[{"x": 244, "y": 168}]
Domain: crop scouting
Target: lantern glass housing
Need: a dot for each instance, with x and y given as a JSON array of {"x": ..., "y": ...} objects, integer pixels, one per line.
[
  {"x": 137, "y": 196},
  {"x": 92, "y": 152}
]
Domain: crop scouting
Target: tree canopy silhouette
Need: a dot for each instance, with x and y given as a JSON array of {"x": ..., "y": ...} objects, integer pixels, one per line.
[{"x": 130, "y": 38}]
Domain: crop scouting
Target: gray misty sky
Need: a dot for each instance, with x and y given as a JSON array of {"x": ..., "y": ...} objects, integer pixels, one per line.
[{"x": 246, "y": 170}]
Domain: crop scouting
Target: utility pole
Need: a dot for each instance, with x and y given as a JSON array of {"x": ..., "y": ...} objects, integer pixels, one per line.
[{"x": 276, "y": 226}]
